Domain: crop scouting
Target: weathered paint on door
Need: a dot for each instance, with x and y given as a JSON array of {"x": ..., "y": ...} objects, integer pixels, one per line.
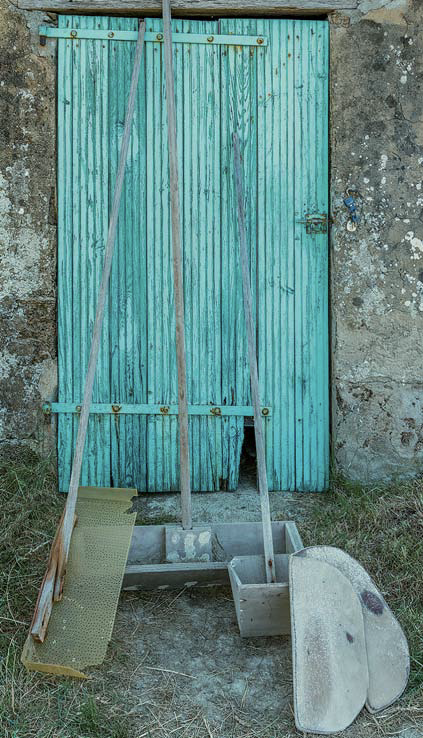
[{"x": 276, "y": 97}]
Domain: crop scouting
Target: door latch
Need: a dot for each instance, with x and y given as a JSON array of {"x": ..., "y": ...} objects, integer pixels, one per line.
[{"x": 315, "y": 223}]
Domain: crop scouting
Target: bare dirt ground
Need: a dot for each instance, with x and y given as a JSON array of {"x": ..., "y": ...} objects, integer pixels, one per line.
[
  {"x": 188, "y": 673},
  {"x": 194, "y": 674},
  {"x": 184, "y": 671}
]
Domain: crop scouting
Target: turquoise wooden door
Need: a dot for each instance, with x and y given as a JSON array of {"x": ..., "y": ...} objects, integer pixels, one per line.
[{"x": 275, "y": 95}]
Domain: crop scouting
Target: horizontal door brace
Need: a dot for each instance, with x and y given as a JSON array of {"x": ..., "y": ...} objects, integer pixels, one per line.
[
  {"x": 129, "y": 409},
  {"x": 74, "y": 34}
]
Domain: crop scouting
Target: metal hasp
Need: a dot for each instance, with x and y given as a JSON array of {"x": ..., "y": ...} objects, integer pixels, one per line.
[
  {"x": 315, "y": 223},
  {"x": 217, "y": 39}
]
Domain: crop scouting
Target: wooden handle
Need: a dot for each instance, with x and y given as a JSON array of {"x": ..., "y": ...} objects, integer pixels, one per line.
[
  {"x": 51, "y": 588},
  {"x": 252, "y": 358},
  {"x": 178, "y": 284}
]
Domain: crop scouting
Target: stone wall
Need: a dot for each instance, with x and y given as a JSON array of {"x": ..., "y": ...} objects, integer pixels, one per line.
[
  {"x": 376, "y": 272},
  {"x": 27, "y": 229}
]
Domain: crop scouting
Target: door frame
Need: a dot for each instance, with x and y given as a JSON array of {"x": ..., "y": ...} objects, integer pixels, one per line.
[{"x": 217, "y": 8}]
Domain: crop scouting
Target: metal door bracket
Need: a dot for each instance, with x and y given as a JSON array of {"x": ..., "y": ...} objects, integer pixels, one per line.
[
  {"x": 152, "y": 409},
  {"x": 76, "y": 34}
]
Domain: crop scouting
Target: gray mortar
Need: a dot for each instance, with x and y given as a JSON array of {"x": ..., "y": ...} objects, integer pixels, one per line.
[{"x": 376, "y": 273}]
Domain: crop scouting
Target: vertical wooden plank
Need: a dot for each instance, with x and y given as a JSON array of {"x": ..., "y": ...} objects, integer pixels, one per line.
[
  {"x": 212, "y": 306},
  {"x": 239, "y": 96},
  {"x": 310, "y": 455},
  {"x": 321, "y": 71},
  {"x": 268, "y": 246},
  {"x": 161, "y": 345},
  {"x": 115, "y": 88},
  {"x": 167, "y": 348},
  {"x": 64, "y": 254},
  {"x": 89, "y": 284},
  {"x": 135, "y": 376},
  {"x": 125, "y": 247},
  {"x": 75, "y": 204},
  {"x": 161, "y": 250},
  {"x": 159, "y": 253},
  {"x": 122, "y": 251},
  {"x": 227, "y": 241},
  {"x": 299, "y": 210},
  {"x": 288, "y": 430},
  {"x": 311, "y": 349},
  {"x": 153, "y": 135},
  {"x": 99, "y": 61},
  {"x": 138, "y": 391},
  {"x": 171, "y": 425}
]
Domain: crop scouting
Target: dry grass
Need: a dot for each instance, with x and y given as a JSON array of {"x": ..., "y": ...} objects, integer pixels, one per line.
[{"x": 381, "y": 527}]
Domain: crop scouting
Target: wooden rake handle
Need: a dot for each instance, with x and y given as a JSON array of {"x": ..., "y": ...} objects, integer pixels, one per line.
[
  {"x": 252, "y": 358},
  {"x": 52, "y": 583},
  {"x": 178, "y": 284}
]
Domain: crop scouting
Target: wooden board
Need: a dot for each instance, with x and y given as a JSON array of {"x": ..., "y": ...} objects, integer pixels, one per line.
[
  {"x": 175, "y": 576},
  {"x": 262, "y": 609},
  {"x": 267, "y": 94},
  {"x": 136, "y": 363},
  {"x": 191, "y": 7},
  {"x": 329, "y": 657},
  {"x": 387, "y": 650},
  {"x": 147, "y": 567}
]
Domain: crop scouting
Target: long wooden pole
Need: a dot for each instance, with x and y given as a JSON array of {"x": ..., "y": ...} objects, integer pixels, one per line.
[
  {"x": 52, "y": 585},
  {"x": 178, "y": 284},
  {"x": 252, "y": 358}
]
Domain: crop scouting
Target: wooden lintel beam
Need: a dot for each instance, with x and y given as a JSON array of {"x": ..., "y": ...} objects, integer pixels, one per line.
[{"x": 191, "y": 7}]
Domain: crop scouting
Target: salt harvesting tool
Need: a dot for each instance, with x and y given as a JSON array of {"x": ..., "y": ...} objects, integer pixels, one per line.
[
  {"x": 348, "y": 649},
  {"x": 344, "y": 638},
  {"x": 259, "y": 582}
]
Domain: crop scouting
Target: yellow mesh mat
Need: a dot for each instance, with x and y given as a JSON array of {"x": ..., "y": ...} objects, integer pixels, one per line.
[{"x": 81, "y": 624}]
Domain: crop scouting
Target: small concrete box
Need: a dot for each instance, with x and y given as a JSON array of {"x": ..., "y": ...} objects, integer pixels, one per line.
[{"x": 263, "y": 609}]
